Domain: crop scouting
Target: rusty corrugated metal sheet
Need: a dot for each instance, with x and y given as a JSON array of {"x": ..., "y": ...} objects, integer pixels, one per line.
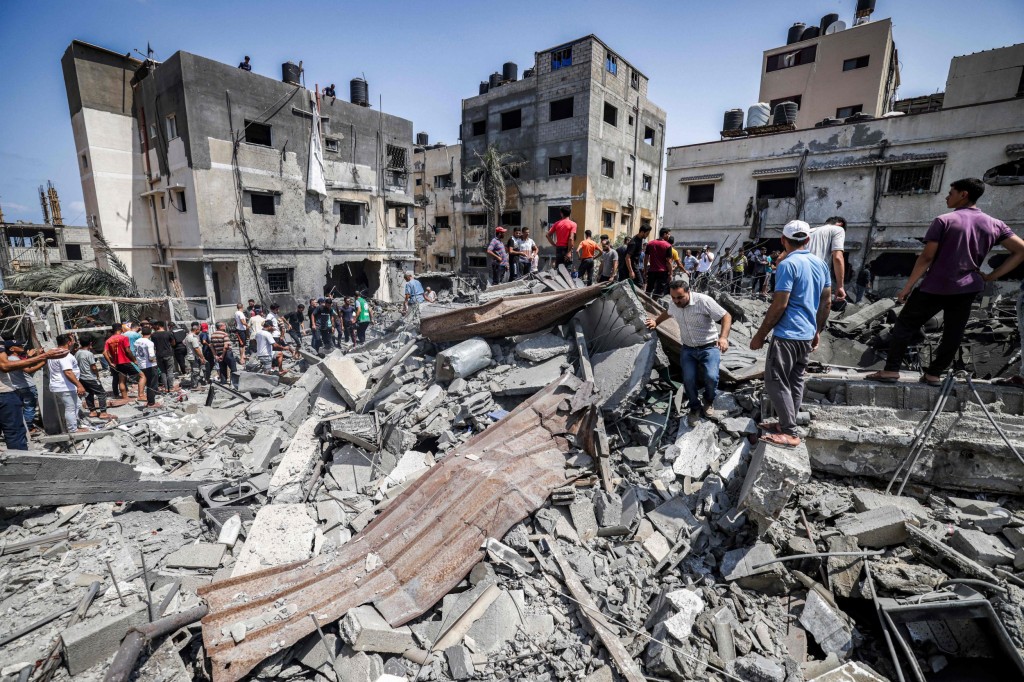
[
  {"x": 508, "y": 316},
  {"x": 427, "y": 540}
]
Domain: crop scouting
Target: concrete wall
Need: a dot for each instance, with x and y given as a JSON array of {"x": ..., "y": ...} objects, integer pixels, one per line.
[
  {"x": 985, "y": 76},
  {"x": 823, "y": 84},
  {"x": 439, "y": 248}
]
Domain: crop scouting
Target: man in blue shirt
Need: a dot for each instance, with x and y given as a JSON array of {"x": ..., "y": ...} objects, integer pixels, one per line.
[
  {"x": 413, "y": 292},
  {"x": 799, "y": 309}
]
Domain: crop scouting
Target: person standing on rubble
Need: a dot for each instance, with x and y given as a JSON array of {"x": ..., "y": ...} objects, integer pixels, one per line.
[
  {"x": 194, "y": 348},
  {"x": 827, "y": 243},
  {"x": 609, "y": 261},
  {"x": 956, "y": 245},
  {"x": 499, "y": 259},
  {"x": 89, "y": 369},
  {"x": 527, "y": 254},
  {"x": 690, "y": 265},
  {"x": 512, "y": 248},
  {"x": 414, "y": 290},
  {"x": 255, "y": 324},
  {"x": 657, "y": 261},
  {"x": 799, "y": 310},
  {"x": 147, "y": 366},
  {"x": 364, "y": 316},
  {"x": 220, "y": 344},
  {"x": 12, "y": 411},
  {"x": 118, "y": 352},
  {"x": 562, "y": 236},
  {"x": 163, "y": 341},
  {"x": 865, "y": 281},
  {"x": 325, "y": 320},
  {"x": 268, "y": 350},
  {"x": 587, "y": 249},
  {"x": 295, "y": 322},
  {"x": 241, "y": 331},
  {"x": 348, "y": 320},
  {"x": 703, "y": 344},
  {"x": 758, "y": 269},
  {"x": 630, "y": 258},
  {"x": 64, "y": 383}
]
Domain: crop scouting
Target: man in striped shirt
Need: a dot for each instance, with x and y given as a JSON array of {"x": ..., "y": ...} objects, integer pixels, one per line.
[{"x": 223, "y": 353}]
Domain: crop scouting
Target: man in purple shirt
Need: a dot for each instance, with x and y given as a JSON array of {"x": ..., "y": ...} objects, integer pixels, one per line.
[{"x": 955, "y": 248}]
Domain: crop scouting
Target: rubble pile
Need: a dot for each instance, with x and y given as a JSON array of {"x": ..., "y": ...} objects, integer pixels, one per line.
[{"x": 503, "y": 488}]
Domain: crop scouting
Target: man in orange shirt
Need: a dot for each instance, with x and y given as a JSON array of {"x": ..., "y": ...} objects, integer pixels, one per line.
[
  {"x": 588, "y": 249},
  {"x": 563, "y": 239}
]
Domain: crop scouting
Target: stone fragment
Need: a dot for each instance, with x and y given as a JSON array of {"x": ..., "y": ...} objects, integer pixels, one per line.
[
  {"x": 987, "y": 550},
  {"x": 739, "y": 425},
  {"x": 602, "y": 674},
  {"x": 358, "y": 666},
  {"x": 346, "y": 377},
  {"x": 297, "y": 464},
  {"x": 280, "y": 534},
  {"x": 460, "y": 662},
  {"x": 351, "y": 471},
  {"x": 256, "y": 384},
  {"x": 879, "y": 527},
  {"x": 499, "y": 624},
  {"x": 688, "y": 605},
  {"x": 529, "y": 380},
  {"x": 637, "y": 454},
  {"x": 366, "y": 630},
  {"x": 826, "y": 625},
  {"x": 316, "y": 652},
  {"x": 462, "y": 360},
  {"x": 868, "y": 500},
  {"x": 739, "y": 457},
  {"x": 674, "y": 517},
  {"x": 772, "y": 476},
  {"x": 620, "y": 375},
  {"x": 695, "y": 450},
  {"x": 199, "y": 555},
  {"x": 543, "y": 347},
  {"x": 608, "y": 509},
  {"x": 187, "y": 506},
  {"x": 657, "y": 546},
  {"x": 1015, "y": 536},
  {"x": 264, "y": 447},
  {"x": 504, "y": 554},
  {"x": 854, "y": 671},
  {"x": 843, "y": 571},
  {"x": 96, "y": 639},
  {"x": 583, "y": 519},
  {"x": 757, "y": 668}
]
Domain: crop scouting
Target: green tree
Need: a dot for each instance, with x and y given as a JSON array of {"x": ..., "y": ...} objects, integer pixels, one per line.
[{"x": 489, "y": 178}]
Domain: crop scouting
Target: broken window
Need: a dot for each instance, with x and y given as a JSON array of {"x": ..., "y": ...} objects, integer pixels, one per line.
[
  {"x": 645, "y": 183},
  {"x": 331, "y": 144},
  {"x": 701, "y": 194},
  {"x": 178, "y": 200},
  {"x": 608, "y": 168},
  {"x": 279, "y": 281},
  {"x": 442, "y": 222},
  {"x": 262, "y": 204},
  {"x": 561, "y": 57},
  {"x": 258, "y": 133},
  {"x": 846, "y": 112},
  {"x": 398, "y": 216},
  {"x": 512, "y": 218},
  {"x": 172, "y": 127},
  {"x": 1009, "y": 173},
  {"x": 73, "y": 251},
  {"x": 555, "y": 213},
  {"x": 607, "y": 220},
  {"x": 477, "y": 261},
  {"x": 912, "y": 180},
  {"x": 560, "y": 165},
  {"x": 510, "y": 120},
  {"x": 562, "y": 109},
  {"x": 397, "y": 158},
  {"x": 634, "y": 80},
  {"x": 611, "y": 114},
  {"x": 855, "y": 63},
  {"x": 649, "y": 135},
  {"x": 479, "y": 128},
  {"x": 349, "y": 212},
  {"x": 611, "y": 63},
  {"x": 443, "y": 181},
  {"x": 786, "y": 60},
  {"x": 445, "y": 261},
  {"x": 477, "y": 219},
  {"x": 782, "y": 188}
]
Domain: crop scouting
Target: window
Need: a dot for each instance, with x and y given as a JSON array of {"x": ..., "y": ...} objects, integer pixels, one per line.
[
  {"x": 445, "y": 261},
  {"x": 795, "y": 99},
  {"x": 629, "y": 171},
  {"x": 477, "y": 261},
  {"x": 608, "y": 168},
  {"x": 85, "y": 161},
  {"x": 561, "y": 109},
  {"x": 649, "y": 135},
  {"x": 331, "y": 144},
  {"x": 912, "y": 180},
  {"x": 783, "y": 188},
  {"x": 172, "y": 127},
  {"x": 611, "y": 63},
  {"x": 701, "y": 194},
  {"x": 512, "y": 218},
  {"x": 560, "y": 165},
  {"x": 787, "y": 60},
  {"x": 631, "y": 119},
  {"x": 510, "y": 120},
  {"x": 73, "y": 251},
  {"x": 855, "y": 63},
  {"x": 349, "y": 212},
  {"x": 442, "y": 222},
  {"x": 846, "y": 112},
  {"x": 163, "y": 202},
  {"x": 152, "y": 130},
  {"x": 607, "y": 220},
  {"x": 397, "y": 158},
  {"x": 555, "y": 213},
  {"x": 443, "y": 181},
  {"x": 279, "y": 281},
  {"x": 419, "y": 181},
  {"x": 178, "y": 200},
  {"x": 611, "y": 114},
  {"x": 634, "y": 80},
  {"x": 645, "y": 183},
  {"x": 262, "y": 204},
  {"x": 479, "y": 128},
  {"x": 257, "y": 133},
  {"x": 561, "y": 57},
  {"x": 477, "y": 219}
]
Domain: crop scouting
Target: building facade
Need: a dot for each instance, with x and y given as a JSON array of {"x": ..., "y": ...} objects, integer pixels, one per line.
[
  {"x": 588, "y": 137},
  {"x": 198, "y": 175},
  {"x": 440, "y": 222},
  {"x": 27, "y": 245}
]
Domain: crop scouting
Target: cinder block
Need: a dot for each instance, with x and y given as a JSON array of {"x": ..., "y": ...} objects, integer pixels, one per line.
[
  {"x": 96, "y": 639},
  {"x": 880, "y": 527},
  {"x": 987, "y": 550},
  {"x": 773, "y": 475},
  {"x": 366, "y": 630}
]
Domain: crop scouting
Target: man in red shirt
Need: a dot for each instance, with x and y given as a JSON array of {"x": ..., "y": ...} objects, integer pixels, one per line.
[
  {"x": 118, "y": 353},
  {"x": 564, "y": 238},
  {"x": 656, "y": 265}
]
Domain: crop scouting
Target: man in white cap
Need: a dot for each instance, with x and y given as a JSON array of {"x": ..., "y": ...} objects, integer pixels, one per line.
[{"x": 799, "y": 310}]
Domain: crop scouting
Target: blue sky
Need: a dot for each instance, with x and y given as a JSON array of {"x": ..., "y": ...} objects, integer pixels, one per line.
[{"x": 423, "y": 58}]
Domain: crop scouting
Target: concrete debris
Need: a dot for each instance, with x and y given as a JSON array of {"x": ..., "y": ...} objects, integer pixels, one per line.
[
  {"x": 281, "y": 534},
  {"x": 463, "y": 360},
  {"x": 772, "y": 477},
  {"x": 695, "y": 450},
  {"x": 542, "y": 347}
]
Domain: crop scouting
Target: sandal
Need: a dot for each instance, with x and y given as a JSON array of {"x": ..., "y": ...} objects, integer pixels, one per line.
[
  {"x": 1016, "y": 380},
  {"x": 781, "y": 440},
  {"x": 877, "y": 376},
  {"x": 930, "y": 382}
]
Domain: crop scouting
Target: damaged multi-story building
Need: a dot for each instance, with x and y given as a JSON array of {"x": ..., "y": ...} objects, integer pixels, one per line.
[
  {"x": 588, "y": 136},
  {"x": 440, "y": 221},
  {"x": 886, "y": 171},
  {"x": 199, "y": 176},
  {"x": 25, "y": 245}
]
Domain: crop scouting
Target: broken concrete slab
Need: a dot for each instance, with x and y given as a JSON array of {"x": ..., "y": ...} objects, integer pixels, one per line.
[
  {"x": 345, "y": 375},
  {"x": 674, "y": 518},
  {"x": 865, "y": 315},
  {"x": 297, "y": 464},
  {"x": 772, "y": 476},
  {"x": 688, "y": 605},
  {"x": 198, "y": 555},
  {"x": 462, "y": 360},
  {"x": 694, "y": 450},
  {"x": 460, "y": 662},
  {"x": 256, "y": 384},
  {"x": 499, "y": 624},
  {"x": 358, "y": 666},
  {"x": 854, "y": 671},
  {"x": 96, "y": 639},
  {"x": 280, "y": 534},
  {"x": 757, "y": 667},
  {"x": 866, "y": 500},
  {"x": 987, "y": 550},
  {"x": 744, "y": 566},
  {"x": 583, "y": 519},
  {"x": 264, "y": 447},
  {"x": 827, "y": 626},
  {"x": 843, "y": 571},
  {"x": 529, "y": 380},
  {"x": 358, "y": 429},
  {"x": 621, "y": 374},
  {"x": 543, "y": 347},
  {"x": 351, "y": 470},
  {"x": 879, "y": 527},
  {"x": 364, "y": 629}
]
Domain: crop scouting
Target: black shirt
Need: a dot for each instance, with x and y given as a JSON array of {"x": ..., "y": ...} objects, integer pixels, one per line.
[
  {"x": 323, "y": 316},
  {"x": 295, "y": 319},
  {"x": 163, "y": 342},
  {"x": 179, "y": 339}
]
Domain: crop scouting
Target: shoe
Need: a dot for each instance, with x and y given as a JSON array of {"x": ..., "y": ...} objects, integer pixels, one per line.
[
  {"x": 692, "y": 418},
  {"x": 709, "y": 412}
]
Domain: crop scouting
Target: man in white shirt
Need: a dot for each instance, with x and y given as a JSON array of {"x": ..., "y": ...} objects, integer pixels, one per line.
[
  {"x": 255, "y": 325},
  {"x": 241, "y": 329},
  {"x": 698, "y": 317},
  {"x": 828, "y": 243},
  {"x": 65, "y": 384},
  {"x": 268, "y": 350}
]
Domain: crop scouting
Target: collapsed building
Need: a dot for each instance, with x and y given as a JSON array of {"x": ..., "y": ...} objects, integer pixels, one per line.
[
  {"x": 209, "y": 180},
  {"x": 501, "y": 487}
]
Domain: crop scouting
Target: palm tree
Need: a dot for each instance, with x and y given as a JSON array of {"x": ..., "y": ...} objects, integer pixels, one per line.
[{"x": 490, "y": 177}]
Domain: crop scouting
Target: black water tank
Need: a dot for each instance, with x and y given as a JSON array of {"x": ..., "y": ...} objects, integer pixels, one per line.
[
  {"x": 495, "y": 80},
  {"x": 733, "y": 120},
  {"x": 484, "y": 87},
  {"x": 422, "y": 139},
  {"x": 794, "y": 33},
  {"x": 359, "y": 92},
  {"x": 810, "y": 32},
  {"x": 865, "y": 6},
  {"x": 827, "y": 21},
  {"x": 291, "y": 73},
  {"x": 785, "y": 112},
  {"x": 509, "y": 71},
  {"x": 528, "y": 73}
]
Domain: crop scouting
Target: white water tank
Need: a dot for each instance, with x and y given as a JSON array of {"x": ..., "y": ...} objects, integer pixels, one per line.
[{"x": 758, "y": 115}]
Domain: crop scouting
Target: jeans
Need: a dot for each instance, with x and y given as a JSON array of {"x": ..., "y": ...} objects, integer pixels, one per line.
[
  {"x": 498, "y": 273},
  {"x": 94, "y": 392},
  {"x": 69, "y": 399},
  {"x": 166, "y": 365},
  {"x": 29, "y": 403},
  {"x": 12, "y": 421},
  {"x": 314, "y": 339},
  {"x": 326, "y": 338},
  {"x": 228, "y": 363},
  {"x": 150, "y": 374},
  {"x": 921, "y": 307},
  {"x": 587, "y": 269},
  {"x": 858, "y": 292},
  {"x": 758, "y": 284},
  {"x": 784, "y": 379},
  {"x": 693, "y": 361},
  {"x": 296, "y": 337}
]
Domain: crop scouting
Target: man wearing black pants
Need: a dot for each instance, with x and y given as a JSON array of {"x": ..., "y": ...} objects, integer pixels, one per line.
[{"x": 163, "y": 341}]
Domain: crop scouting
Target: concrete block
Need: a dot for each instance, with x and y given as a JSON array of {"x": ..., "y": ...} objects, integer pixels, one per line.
[
  {"x": 773, "y": 475},
  {"x": 366, "y": 630},
  {"x": 608, "y": 509},
  {"x": 199, "y": 555},
  {"x": 187, "y": 506},
  {"x": 529, "y": 380},
  {"x": 314, "y": 652},
  {"x": 296, "y": 465},
  {"x": 688, "y": 605},
  {"x": 867, "y": 500},
  {"x": 695, "y": 450},
  {"x": 739, "y": 457},
  {"x": 583, "y": 519},
  {"x": 264, "y": 447},
  {"x": 256, "y": 384},
  {"x": 674, "y": 517},
  {"x": 757, "y": 668},
  {"x": 499, "y": 624},
  {"x": 987, "y": 550},
  {"x": 310, "y": 380},
  {"x": 866, "y": 315},
  {"x": 739, "y": 425},
  {"x": 280, "y": 534},
  {"x": 826, "y": 625},
  {"x": 543, "y": 347},
  {"x": 637, "y": 454},
  {"x": 346, "y": 377},
  {"x": 843, "y": 571},
  {"x": 358, "y": 666},
  {"x": 351, "y": 470},
  {"x": 460, "y": 662},
  {"x": 657, "y": 546},
  {"x": 879, "y": 527},
  {"x": 293, "y": 406},
  {"x": 620, "y": 375},
  {"x": 602, "y": 674},
  {"x": 1015, "y": 536},
  {"x": 95, "y": 640},
  {"x": 462, "y": 360}
]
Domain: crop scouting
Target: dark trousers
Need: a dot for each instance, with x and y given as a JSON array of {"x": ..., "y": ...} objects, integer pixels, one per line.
[
  {"x": 150, "y": 374},
  {"x": 166, "y": 365},
  {"x": 296, "y": 337},
  {"x": 12, "y": 421},
  {"x": 563, "y": 256},
  {"x": 94, "y": 392},
  {"x": 784, "y": 379},
  {"x": 324, "y": 334},
  {"x": 921, "y": 307},
  {"x": 758, "y": 284},
  {"x": 587, "y": 270},
  {"x": 657, "y": 283},
  {"x": 498, "y": 273},
  {"x": 228, "y": 363},
  {"x": 513, "y": 267},
  {"x": 361, "y": 329},
  {"x": 181, "y": 361}
]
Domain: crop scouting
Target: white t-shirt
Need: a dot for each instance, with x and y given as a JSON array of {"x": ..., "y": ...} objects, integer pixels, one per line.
[
  {"x": 273, "y": 317},
  {"x": 240, "y": 321},
  {"x": 145, "y": 353},
  {"x": 256, "y": 324},
  {"x": 58, "y": 382},
  {"x": 704, "y": 262},
  {"x": 826, "y": 239},
  {"x": 264, "y": 344}
]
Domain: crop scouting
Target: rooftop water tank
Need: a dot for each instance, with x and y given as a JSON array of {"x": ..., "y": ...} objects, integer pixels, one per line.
[
  {"x": 509, "y": 71},
  {"x": 422, "y": 139},
  {"x": 733, "y": 120},
  {"x": 795, "y": 31},
  {"x": 758, "y": 115},
  {"x": 785, "y": 112},
  {"x": 484, "y": 87},
  {"x": 291, "y": 73},
  {"x": 865, "y": 6},
  {"x": 495, "y": 80},
  {"x": 810, "y": 32},
  {"x": 359, "y": 92},
  {"x": 827, "y": 21}
]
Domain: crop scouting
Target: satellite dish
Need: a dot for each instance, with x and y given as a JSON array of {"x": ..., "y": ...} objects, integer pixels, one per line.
[{"x": 835, "y": 27}]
